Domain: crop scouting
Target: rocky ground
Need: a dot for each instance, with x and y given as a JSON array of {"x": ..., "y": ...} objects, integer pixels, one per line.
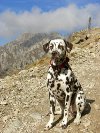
[{"x": 24, "y": 100}]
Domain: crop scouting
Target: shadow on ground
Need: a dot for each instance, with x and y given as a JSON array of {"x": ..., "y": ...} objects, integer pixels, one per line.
[{"x": 88, "y": 106}]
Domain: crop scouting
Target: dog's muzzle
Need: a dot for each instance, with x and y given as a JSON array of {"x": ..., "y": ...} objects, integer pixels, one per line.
[{"x": 55, "y": 55}]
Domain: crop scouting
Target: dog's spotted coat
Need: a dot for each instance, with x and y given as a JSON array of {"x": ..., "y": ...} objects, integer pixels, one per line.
[{"x": 62, "y": 83}]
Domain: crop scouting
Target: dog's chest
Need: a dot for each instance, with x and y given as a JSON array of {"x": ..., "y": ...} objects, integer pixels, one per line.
[
  {"x": 58, "y": 84},
  {"x": 57, "y": 88}
]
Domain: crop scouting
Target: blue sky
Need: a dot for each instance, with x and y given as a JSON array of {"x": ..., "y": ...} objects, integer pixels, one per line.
[
  {"x": 45, "y": 5},
  {"x": 12, "y": 12}
]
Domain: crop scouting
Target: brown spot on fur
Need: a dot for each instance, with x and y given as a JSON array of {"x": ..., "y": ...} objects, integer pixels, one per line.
[
  {"x": 67, "y": 99},
  {"x": 58, "y": 86}
]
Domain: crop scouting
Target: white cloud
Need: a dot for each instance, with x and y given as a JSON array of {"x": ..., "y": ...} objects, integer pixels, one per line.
[{"x": 66, "y": 19}]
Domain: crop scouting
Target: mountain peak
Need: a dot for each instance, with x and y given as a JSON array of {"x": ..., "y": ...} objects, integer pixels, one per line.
[{"x": 26, "y": 49}]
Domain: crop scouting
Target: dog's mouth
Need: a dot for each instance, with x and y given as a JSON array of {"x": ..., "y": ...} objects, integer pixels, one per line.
[
  {"x": 55, "y": 55},
  {"x": 57, "y": 58}
]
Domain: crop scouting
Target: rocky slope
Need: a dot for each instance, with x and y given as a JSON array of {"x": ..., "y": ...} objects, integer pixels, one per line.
[
  {"x": 23, "y": 51},
  {"x": 24, "y": 96}
]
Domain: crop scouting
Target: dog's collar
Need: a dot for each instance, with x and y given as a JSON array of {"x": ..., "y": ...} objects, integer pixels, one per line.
[{"x": 62, "y": 65}]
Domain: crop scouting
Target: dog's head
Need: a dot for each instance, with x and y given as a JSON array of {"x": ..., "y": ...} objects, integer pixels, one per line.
[{"x": 57, "y": 48}]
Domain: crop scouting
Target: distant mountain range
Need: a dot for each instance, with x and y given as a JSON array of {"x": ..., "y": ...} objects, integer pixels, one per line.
[{"x": 23, "y": 51}]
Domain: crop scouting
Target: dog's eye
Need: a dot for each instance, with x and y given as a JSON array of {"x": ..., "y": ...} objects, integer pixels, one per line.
[
  {"x": 60, "y": 47},
  {"x": 51, "y": 46}
]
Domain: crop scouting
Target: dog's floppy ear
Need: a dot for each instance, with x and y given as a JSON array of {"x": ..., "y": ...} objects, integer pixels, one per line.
[
  {"x": 46, "y": 47},
  {"x": 69, "y": 46}
]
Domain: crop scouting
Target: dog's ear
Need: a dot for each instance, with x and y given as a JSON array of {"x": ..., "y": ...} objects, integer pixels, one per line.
[
  {"x": 46, "y": 47},
  {"x": 69, "y": 46}
]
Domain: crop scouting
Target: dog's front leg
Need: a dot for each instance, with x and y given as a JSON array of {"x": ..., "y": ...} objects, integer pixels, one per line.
[
  {"x": 66, "y": 110},
  {"x": 52, "y": 111}
]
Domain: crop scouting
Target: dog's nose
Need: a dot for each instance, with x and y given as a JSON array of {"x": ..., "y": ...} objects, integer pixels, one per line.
[{"x": 54, "y": 53}]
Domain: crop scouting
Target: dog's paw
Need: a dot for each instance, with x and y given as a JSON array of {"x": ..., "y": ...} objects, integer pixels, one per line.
[
  {"x": 77, "y": 121},
  {"x": 48, "y": 127},
  {"x": 63, "y": 125}
]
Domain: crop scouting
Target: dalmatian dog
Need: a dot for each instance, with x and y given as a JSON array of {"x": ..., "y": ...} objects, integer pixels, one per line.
[{"x": 62, "y": 84}]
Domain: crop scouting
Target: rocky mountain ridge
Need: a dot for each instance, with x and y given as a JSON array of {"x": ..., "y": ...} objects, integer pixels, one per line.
[
  {"x": 24, "y": 101},
  {"x": 23, "y": 51}
]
